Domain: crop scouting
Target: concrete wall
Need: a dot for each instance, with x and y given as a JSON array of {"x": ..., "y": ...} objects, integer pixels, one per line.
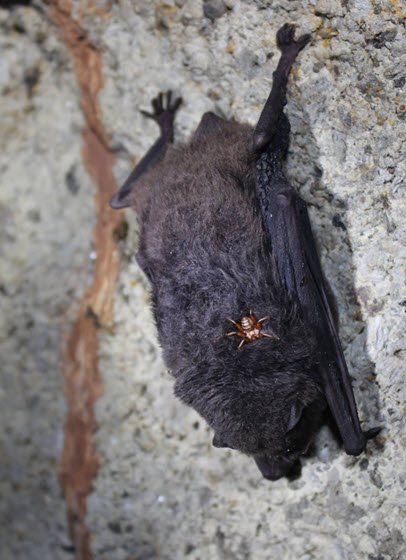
[{"x": 89, "y": 423}]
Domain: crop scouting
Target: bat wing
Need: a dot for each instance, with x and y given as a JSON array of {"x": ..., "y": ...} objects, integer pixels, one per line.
[{"x": 287, "y": 222}]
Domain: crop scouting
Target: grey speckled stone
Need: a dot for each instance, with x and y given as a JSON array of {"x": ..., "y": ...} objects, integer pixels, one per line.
[
  {"x": 162, "y": 491},
  {"x": 346, "y": 160},
  {"x": 45, "y": 233}
]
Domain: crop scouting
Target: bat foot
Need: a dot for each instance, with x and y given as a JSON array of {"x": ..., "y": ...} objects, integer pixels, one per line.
[
  {"x": 372, "y": 432},
  {"x": 164, "y": 109},
  {"x": 285, "y": 39},
  {"x": 357, "y": 446}
]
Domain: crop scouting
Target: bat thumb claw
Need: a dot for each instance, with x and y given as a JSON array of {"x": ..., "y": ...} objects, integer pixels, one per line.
[
  {"x": 261, "y": 139},
  {"x": 372, "y": 432}
]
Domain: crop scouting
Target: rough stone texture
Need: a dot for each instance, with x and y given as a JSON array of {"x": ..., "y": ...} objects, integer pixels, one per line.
[
  {"x": 46, "y": 219},
  {"x": 162, "y": 491}
]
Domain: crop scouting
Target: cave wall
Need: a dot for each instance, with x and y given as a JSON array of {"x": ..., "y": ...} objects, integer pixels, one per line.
[{"x": 98, "y": 460}]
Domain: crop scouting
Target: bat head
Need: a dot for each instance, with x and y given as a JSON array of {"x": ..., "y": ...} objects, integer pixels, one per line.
[
  {"x": 269, "y": 427},
  {"x": 264, "y": 410},
  {"x": 276, "y": 451}
]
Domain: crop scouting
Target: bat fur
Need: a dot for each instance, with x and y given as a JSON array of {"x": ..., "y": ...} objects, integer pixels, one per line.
[{"x": 207, "y": 253}]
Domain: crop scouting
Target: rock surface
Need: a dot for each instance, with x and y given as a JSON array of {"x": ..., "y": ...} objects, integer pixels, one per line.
[{"x": 161, "y": 490}]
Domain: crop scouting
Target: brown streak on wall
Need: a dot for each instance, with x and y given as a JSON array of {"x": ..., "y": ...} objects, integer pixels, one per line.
[{"x": 83, "y": 384}]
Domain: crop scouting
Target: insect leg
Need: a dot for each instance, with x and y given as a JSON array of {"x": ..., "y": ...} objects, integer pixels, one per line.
[
  {"x": 270, "y": 335},
  {"x": 242, "y": 335},
  {"x": 239, "y": 327}
]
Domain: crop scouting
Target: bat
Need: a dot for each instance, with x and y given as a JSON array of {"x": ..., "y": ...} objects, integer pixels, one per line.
[{"x": 242, "y": 308}]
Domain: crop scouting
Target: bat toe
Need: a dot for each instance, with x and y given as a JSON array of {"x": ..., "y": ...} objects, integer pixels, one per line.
[{"x": 303, "y": 40}]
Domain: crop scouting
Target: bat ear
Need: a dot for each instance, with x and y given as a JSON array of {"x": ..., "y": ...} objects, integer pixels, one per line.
[
  {"x": 210, "y": 124},
  {"x": 217, "y": 442},
  {"x": 295, "y": 415}
]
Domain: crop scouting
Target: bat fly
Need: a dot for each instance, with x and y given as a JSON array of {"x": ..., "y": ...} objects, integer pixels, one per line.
[{"x": 224, "y": 237}]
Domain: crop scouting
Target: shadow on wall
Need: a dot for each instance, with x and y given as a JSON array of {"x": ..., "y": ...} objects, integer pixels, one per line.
[{"x": 330, "y": 228}]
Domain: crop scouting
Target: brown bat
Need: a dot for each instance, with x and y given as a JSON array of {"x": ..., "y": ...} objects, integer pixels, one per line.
[{"x": 224, "y": 236}]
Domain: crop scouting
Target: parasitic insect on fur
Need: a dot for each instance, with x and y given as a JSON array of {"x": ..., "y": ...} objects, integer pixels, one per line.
[
  {"x": 249, "y": 329},
  {"x": 222, "y": 231}
]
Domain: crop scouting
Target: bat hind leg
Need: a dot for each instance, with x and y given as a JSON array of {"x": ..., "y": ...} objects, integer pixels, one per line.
[
  {"x": 272, "y": 121},
  {"x": 164, "y": 110}
]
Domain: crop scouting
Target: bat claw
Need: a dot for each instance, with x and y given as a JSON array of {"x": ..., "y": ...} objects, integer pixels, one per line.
[
  {"x": 285, "y": 39},
  {"x": 236, "y": 324},
  {"x": 372, "y": 432}
]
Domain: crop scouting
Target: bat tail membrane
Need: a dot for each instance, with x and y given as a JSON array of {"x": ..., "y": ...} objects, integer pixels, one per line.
[
  {"x": 163, "y": 114},
  {"x": 272, "y": 111}
]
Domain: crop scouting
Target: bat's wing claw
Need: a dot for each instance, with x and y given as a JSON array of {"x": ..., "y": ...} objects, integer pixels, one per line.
[{"x": 372, "y": 432}]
